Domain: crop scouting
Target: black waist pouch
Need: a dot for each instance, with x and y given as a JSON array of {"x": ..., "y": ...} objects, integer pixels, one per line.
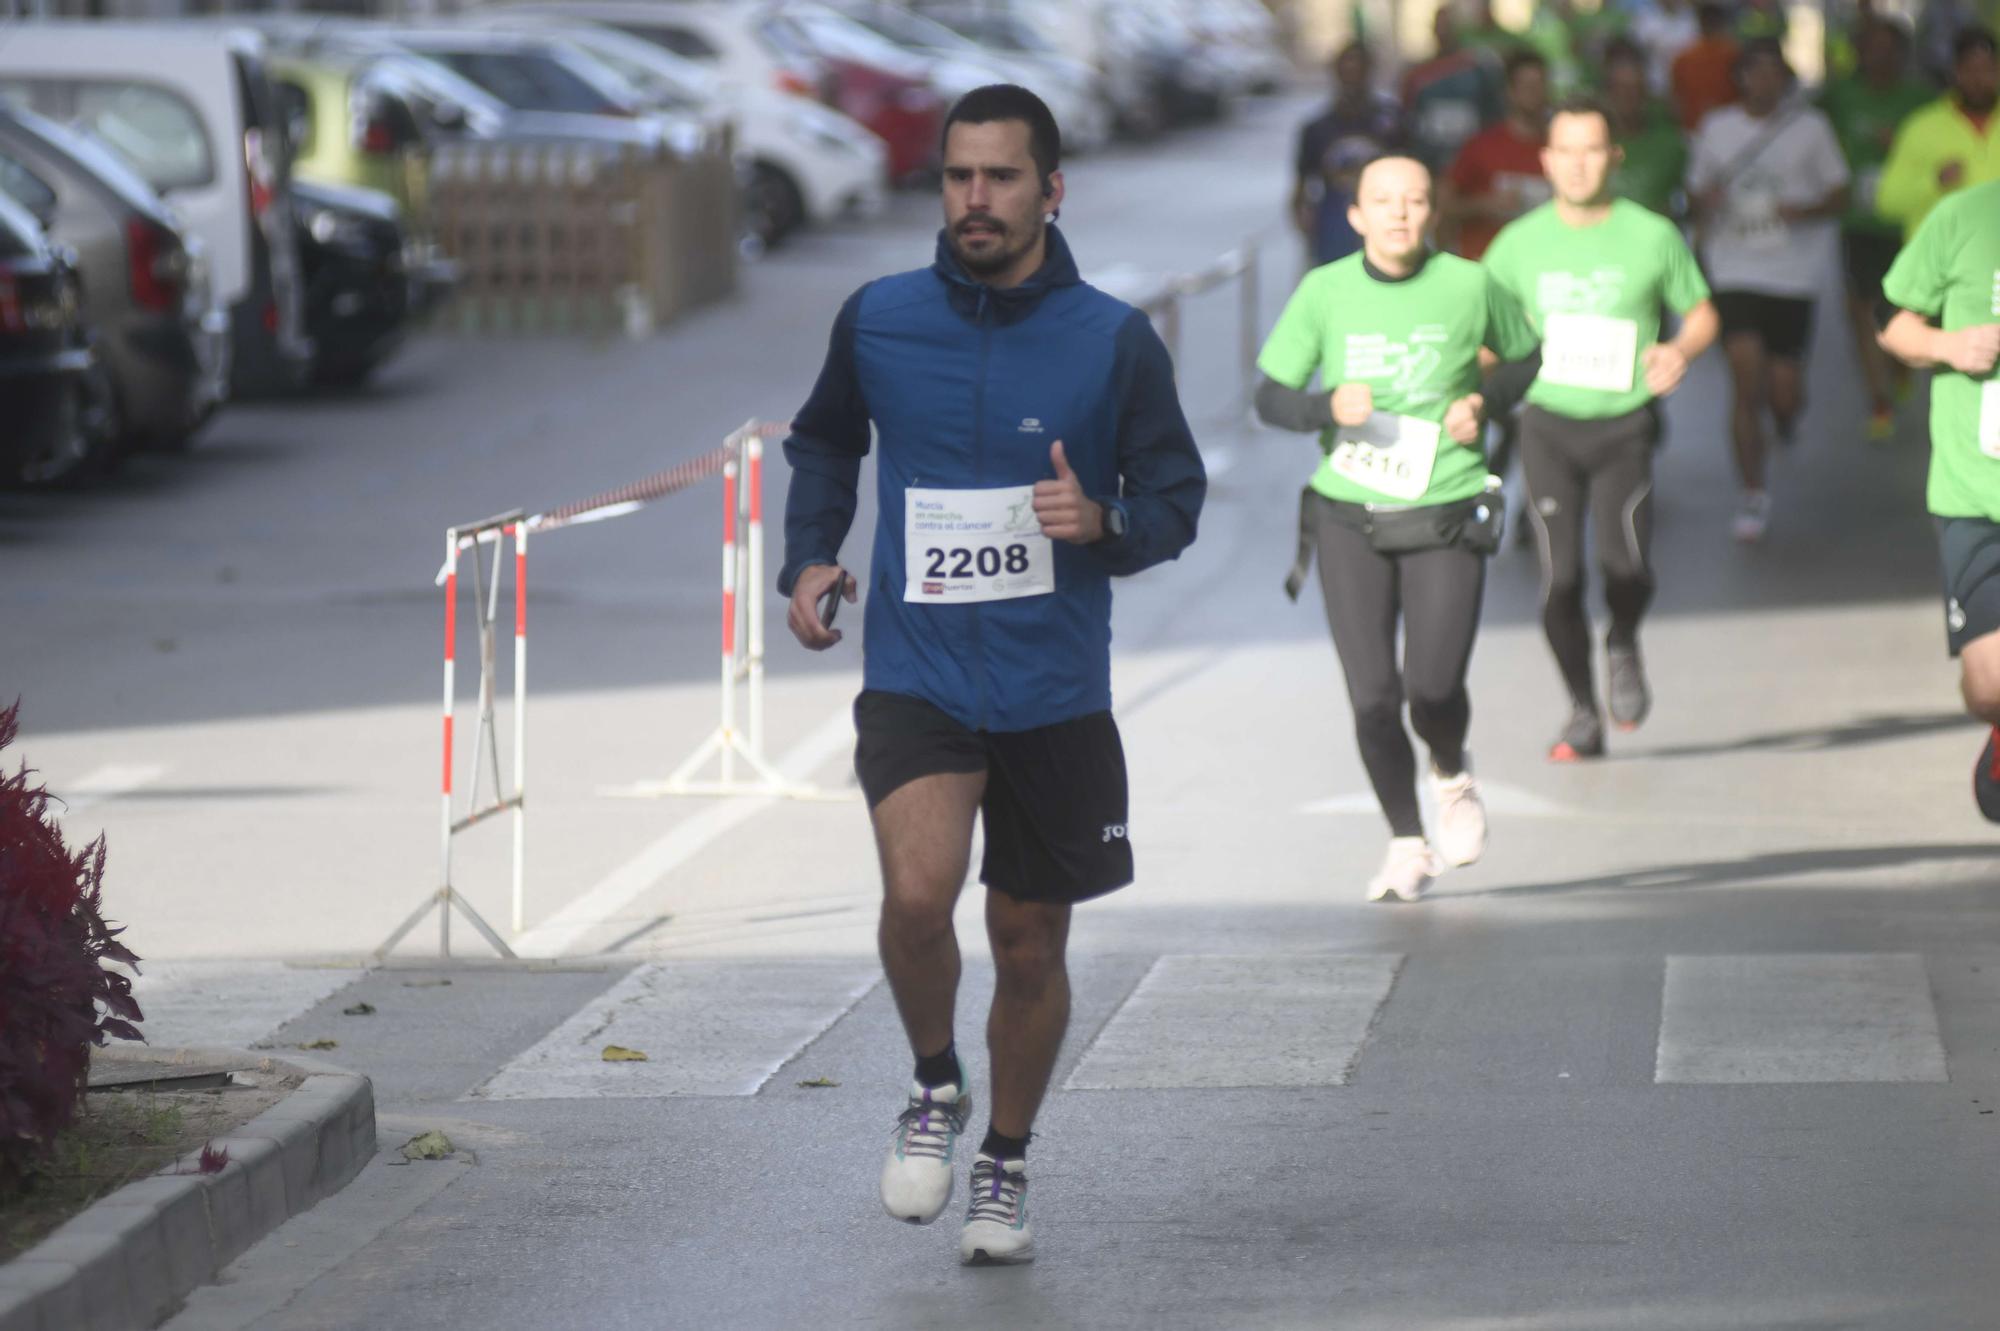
[{"x": 1476, "y": 525}]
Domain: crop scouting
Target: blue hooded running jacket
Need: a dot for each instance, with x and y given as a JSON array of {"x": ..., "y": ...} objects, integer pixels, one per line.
[{"x": 968, "y": 386}]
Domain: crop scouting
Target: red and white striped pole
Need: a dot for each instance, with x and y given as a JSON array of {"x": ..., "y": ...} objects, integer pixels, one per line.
[
  {"x": 729, "y": 495},
  {"x": 754, "y": 601},
  {"x": 450, "y": 674},
  {"x": 520, "y": 530}
]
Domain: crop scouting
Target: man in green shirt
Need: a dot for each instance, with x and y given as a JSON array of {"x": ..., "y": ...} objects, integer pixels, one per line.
[
  {"x": 1398, "y": 509},
  {"x": 1866, "y": 110},
  {"x": 1652, "y": 151},
  {"x": 1593, "y": 272},
  {"x": 1945, "y": 292}
]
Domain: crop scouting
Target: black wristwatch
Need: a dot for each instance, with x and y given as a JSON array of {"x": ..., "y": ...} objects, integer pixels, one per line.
[{"x": 1115, "y": 522}]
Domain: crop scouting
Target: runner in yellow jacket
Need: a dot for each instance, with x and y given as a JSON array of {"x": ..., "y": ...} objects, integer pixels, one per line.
[{"x": 1950, "y": 144}]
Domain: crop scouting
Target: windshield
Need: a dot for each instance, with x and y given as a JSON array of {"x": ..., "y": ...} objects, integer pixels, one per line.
[
  {"x": 528, "y": 81},
  {"x": 90, "y": 155},
  {"x": 912, "y": 30}
]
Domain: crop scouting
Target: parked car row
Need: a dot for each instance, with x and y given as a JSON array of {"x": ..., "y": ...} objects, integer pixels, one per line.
[
  {"x": 233, "y": 205},
  {"x": 154, "y": 165}
]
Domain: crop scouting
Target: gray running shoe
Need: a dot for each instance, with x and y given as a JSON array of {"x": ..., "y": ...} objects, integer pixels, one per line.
[
  {"x": 1582, "y": 737},
  {"x": 1629, "y": 697}
]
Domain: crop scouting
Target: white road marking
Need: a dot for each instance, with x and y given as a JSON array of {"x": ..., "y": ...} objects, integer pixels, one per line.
[
  {"x": 228, "y": 1004},
  {"x": 1511, "y": 801},
  {"x": 1813, "y": 1017},
  {"x": 615, "y": 892},
  {"x": 105, "y": 783},
  {"x": 706, "y": 1028},
  {"x": 1207, "y": 1022}
]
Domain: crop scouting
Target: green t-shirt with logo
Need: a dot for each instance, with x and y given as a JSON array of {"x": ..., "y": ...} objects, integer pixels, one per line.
[
  {"x": 1950, "y": 271},
  {"x": 1593, "y": 294},
  {"x": 1865, "y": 120},
  {"x": 1655, "y": 162},
  {"x": 1415, "y": 343}
]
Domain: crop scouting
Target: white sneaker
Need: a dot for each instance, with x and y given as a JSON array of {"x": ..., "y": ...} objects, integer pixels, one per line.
[
  {"x": 916, "y": 1178},
  {"x": 996, "y": 1224},
  {"x": 1406, "y": 871},
  {"x": 1461, "y": 816},
  {"x": 1753, "y": 517}
]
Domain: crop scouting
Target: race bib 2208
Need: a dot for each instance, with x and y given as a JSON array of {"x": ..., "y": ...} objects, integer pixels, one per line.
[{"x": 962, "y": 546}]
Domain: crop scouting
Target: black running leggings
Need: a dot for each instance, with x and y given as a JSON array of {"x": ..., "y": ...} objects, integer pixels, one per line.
[
  {"x": 1436, "y": 593},
  {"x": 1605, "y": 468}
]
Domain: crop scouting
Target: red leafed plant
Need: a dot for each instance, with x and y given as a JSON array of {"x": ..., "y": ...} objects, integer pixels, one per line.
[{"x": 57, "y": 998}]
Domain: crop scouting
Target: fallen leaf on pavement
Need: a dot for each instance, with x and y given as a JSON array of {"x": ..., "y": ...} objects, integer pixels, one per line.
[
  {"x": 618, "y": 1053},
  {"x": 426, "y": 984},
  {"x": 320, "y": 1044},
  {"x": 816, "y": 1083},
  {"x": 359, "y": 1010},
  {"x": 432, "y": 1145}
]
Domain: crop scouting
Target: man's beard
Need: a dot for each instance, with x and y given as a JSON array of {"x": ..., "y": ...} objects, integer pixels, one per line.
[
  {"x": 991, "y": 261},
  {"x": 1980, "y": 105}
]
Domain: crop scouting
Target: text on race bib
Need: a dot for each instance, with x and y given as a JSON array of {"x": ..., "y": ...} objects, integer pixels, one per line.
[
  {"x": 1389, "y": 453},
  {"x": 963, "y": 546},
  {"x": 1989, "y": 418},
  {"x": 1753, "y": 216},
  {"x": 1589, "y": 351}
]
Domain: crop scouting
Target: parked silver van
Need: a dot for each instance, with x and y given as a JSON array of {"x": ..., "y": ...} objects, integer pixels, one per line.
[{"x": 191, "y": 109}]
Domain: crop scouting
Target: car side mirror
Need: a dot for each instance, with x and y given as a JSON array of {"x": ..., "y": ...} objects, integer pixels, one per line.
[{"x": 448, "y": 116}]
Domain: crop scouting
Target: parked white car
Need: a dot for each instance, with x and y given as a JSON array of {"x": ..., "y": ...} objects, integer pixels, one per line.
[
  {"x": 191, "y": 110},
  {"x": 804, "y": 162}
]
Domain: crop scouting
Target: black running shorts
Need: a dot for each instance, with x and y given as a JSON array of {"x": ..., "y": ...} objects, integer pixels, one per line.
[
  {"x": 1055, "y": 802},
  {"x": 1969, "y": 549},
  {"x": 1866, "y": 256},
  {"x": 1782, "y": 323}
]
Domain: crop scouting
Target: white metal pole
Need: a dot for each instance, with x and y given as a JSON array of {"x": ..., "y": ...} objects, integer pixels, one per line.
[
  {"x": 450, "y": 671},
  {"x": 729, "y": 486},
  {"x": 754, "y": 599},
  {"x": 520, "y": 723}
]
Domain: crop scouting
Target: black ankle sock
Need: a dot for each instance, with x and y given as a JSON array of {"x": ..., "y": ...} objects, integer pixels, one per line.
[
  {"x": 1004, "y": 1148},
  {"x": 939, "y": 1069}
]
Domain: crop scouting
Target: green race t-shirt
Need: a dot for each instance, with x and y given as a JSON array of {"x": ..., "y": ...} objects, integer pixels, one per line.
[
  {"x": 1594, "y": 295},
  {"x": 1950, "y": 271},
  {"x": 1655, "y": 162},
  {"x": 1865, "y": 120},
  {"x": 1415, "y": 343}
]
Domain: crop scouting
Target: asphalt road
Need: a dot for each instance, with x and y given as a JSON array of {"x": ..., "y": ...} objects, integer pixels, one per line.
[{"x": 1710, "y": 1038}]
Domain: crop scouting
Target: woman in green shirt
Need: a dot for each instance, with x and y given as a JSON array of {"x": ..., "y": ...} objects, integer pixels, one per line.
[{"x": 1399, "y": 509}]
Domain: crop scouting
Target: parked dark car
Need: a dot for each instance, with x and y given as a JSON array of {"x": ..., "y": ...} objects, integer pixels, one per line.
[
  {"x": 365, "y": 282},
  {"x": 50, "y": 399},
  {"x": 162, "y": 341}
]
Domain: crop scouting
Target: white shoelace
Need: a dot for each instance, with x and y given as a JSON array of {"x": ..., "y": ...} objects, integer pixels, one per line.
[
  {"x": 927, "y": 1127},
  {"x": 996, "y": 1194}
]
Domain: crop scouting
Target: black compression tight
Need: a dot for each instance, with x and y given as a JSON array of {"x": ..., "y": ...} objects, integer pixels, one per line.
[
  {"x": 1436, "y": 594},
  {"x": 1604, "y": 468}
]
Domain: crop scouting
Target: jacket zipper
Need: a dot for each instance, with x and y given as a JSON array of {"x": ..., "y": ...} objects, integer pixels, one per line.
[{"x": 979, "y": 479}]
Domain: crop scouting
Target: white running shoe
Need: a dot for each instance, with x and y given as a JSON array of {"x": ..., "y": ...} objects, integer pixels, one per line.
[
  {"x": 1407, "y": 870},
  {"x": 916, "y": 1178},
  {"x": 1461, "y": 816},
  {"x": 1753, "y": 517},
  {"x": 996, "y": 1223}
]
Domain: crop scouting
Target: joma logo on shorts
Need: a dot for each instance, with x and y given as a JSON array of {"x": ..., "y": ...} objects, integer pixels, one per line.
[{"x": 1114, "y": 832}]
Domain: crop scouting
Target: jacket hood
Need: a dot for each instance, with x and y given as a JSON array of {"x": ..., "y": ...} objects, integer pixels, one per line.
[{"x": 967, "y": 293}]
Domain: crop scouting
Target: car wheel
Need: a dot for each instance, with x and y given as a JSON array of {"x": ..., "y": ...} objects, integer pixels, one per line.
[
  {"x": 772, "y": 205},
  {"x": 87, "y": 446},
  {"x": 343, "y": 373}
]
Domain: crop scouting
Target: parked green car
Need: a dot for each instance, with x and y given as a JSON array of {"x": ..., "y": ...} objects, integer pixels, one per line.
[{"x": 347, "y": 129}]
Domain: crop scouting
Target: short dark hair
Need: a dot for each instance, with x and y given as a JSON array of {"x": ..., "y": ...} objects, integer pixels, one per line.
[
  {"x": 1519, "y": 60},
  {"x": 1973, "y": 38},
  {"x": 1008, "y": 101},
  {"x": 1623, "y": 51},
  {"x": 1762, "y": 48},
  {"x": 1581, "y": 104}
]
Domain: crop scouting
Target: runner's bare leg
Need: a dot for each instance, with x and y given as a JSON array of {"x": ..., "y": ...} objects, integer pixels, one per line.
[
  {"x": 923, "y": 833},
  {"x": 1746, "y": 372},
  {"x": 1024, "y": 1031}
]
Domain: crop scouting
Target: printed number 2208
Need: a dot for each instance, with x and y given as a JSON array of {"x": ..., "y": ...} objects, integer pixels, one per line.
[{"x": 987, "y": 561}]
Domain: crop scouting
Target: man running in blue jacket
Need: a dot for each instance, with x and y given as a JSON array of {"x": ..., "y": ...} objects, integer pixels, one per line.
[{"x": 1032, "y": 447}]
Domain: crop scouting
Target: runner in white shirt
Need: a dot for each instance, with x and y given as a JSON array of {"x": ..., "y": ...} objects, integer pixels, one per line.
[{"x": 1769, "y": 184}]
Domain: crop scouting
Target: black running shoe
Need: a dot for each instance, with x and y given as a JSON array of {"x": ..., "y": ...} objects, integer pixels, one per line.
[
  {"x": 1582, "y": 737},
  {"x": 1628, "y": 696},
  {"x": 1986, "y": 778}
]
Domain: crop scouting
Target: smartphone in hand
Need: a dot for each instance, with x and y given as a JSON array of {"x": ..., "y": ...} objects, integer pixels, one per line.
[{"x": 829, "y": 604}]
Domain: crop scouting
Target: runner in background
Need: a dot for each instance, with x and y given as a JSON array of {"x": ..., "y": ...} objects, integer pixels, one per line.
[
  {"x": 1950, "y": 144},
  {"x": 1767, "y": 181},
  {"x": 1652, "y": 151},
  {"x": 1497, "y": 176},
  {"x": 1359, "y": 125},
  {"x": 1663, "y": 31},
  {"x": 1399, "y": 510},
  {"x": 1865, "y": 110},
  {"x": 1704, "y": 75},
  {"x": 1451, "y": 96},
  {"x": 1761, "y": 20},
  {"x": 1487, "y": 35},
  {"x": 1944, "y": 290}
]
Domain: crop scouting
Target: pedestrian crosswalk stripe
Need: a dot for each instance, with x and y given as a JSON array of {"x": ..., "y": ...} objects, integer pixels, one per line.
[
  {"x": 1218, "y": 1021},
  {"x": 228, "y": 1004},
  {"x": 1813, "y": 1017},
  {"x": 706, "y": 1028}
]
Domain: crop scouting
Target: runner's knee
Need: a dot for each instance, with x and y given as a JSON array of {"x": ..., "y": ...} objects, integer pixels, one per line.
[
  {"x": 1979, "y": 679},
  {"x": 1028, "y": 941}
]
